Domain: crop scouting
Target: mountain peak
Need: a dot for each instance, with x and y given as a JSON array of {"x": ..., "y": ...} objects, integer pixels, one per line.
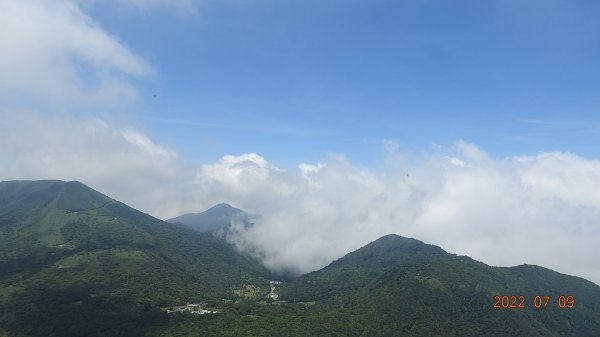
[
  {"x": 223, "y": 206},
  {"x": 395, "y": 238},
  {"x": 49, "y": 194},
  {"x": 216, "y": 217},
  {"x": 388, "y": 250}
]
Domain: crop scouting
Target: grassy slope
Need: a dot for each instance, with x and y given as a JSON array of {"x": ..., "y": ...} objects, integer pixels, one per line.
[
  {"x": 402, "y": 287},
  {"x": 71, "y": 257},
  {"x": 435, "y": 293}
]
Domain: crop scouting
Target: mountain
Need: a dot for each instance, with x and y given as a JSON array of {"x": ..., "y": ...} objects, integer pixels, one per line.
[
  {"x": 74, "y": 262},
  {"x": 217, "y": 217},
  {"x": 358, "y": 268},
  {"x": 397, "y": 286}
]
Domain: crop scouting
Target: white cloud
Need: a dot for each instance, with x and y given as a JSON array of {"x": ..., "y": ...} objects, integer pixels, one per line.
[
  {"x": 540, "y": 209},
  {"x": 146, "y": 146},
  {"x": 123, "y": 163},
  {"x": 52, "y": 51}
]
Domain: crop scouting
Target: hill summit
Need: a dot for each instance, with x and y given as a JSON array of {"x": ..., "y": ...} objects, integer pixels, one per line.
[{"x": 217, "y": 217}]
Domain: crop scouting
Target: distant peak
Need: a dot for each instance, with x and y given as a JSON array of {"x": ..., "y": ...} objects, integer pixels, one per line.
[
  {"x": 394, "y": 242},
  {"x": 218, "y": 216},
  {"x": 395, "y": 238},
  {"x": 222, "y": 205},
  {"x": 223, "y": 208},
  {"x": 391, "y": 237}
]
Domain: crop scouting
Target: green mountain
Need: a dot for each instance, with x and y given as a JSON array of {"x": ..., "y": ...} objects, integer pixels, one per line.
[
  {"x": 397, "y": 286},
  {"x": 215, "y": 218},
  {"x": 74, "y": 262}
]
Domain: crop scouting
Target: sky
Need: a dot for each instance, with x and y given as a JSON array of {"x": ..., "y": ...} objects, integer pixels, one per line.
[{"x": 471, "y": 125}]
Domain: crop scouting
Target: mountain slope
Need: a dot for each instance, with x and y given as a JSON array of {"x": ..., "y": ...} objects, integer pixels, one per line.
[
  {"x": 216, "y": 217},
  {"x": 70, "y": 256},
  {"x": 396, "y": 286},
  {"x": 403, "y": 287},
  {"x": 74, "y": 262},
  {"x": 360, "y": 267}
]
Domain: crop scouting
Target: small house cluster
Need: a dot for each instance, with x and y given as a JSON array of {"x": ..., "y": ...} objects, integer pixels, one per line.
[
  {"x": 273, "y": 293},
  {"x": 191, "y": 308}
]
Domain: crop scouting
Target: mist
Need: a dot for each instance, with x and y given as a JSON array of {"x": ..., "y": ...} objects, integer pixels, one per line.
[{"x": 537, "y": 209}]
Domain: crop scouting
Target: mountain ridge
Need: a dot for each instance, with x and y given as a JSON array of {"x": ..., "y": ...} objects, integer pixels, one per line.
[
  {"x": 76, "y": 245},
  {"x": 75, "y": 262},
  {"x": 440, "y": 293}
]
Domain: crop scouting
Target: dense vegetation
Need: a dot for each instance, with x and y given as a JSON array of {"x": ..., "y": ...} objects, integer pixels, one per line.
[
  {"x": 402, "y": 287},
  {"x": 74, "y": 262}
]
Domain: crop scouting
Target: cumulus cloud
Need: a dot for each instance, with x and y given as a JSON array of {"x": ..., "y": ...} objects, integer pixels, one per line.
[
  {"x": 53, "y": 51},
  {"x": 539, "y": 209}
]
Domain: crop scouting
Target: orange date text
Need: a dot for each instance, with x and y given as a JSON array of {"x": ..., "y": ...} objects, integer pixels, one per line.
[{"x": 536, "y": 302}]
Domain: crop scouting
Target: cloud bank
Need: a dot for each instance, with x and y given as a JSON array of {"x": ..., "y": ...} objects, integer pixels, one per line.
[{"x": 537, "y": 209}]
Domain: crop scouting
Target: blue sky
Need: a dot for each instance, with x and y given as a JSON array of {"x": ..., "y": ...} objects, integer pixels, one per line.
[{"x": 297, "y": 80}]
